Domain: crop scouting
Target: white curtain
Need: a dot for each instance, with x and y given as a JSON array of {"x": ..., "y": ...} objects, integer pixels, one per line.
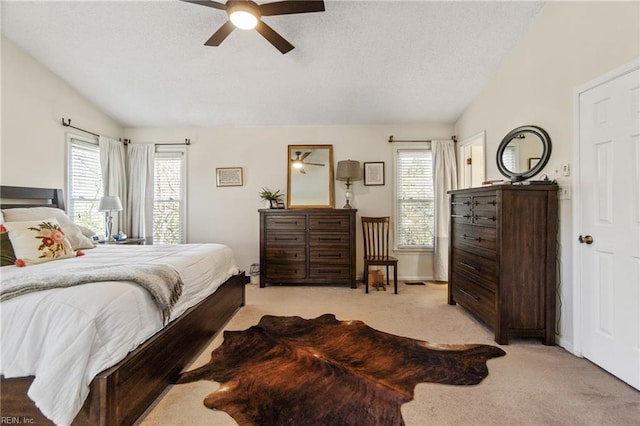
[
  {"x": 112, "y": 161},
  {"x": 140, "y": 167},
  {"x": 445, "y": 178}
]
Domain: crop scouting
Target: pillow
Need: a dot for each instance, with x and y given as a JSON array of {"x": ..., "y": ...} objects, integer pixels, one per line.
[
  {"x": 39, "y": 241},
  {"x": 7, "y": 256},
  {"x": 86, "y": 231},
  {"x": 70, "y": 229}
]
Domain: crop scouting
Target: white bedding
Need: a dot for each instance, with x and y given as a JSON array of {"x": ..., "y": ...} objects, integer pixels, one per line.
[{"x": 64, "y": 337}]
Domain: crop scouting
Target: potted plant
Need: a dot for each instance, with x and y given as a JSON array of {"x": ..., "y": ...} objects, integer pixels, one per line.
[{"x": 271, "y": 197}]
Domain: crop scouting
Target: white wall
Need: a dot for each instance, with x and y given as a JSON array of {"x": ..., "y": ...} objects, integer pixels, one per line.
[
  {"x": 34, "y": 101},
  {"x": 230, "y": 214},
  {"x": 569, "y": 44}
]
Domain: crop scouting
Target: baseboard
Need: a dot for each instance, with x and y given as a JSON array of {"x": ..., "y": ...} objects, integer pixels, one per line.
[{"x": 567, "y": 345}]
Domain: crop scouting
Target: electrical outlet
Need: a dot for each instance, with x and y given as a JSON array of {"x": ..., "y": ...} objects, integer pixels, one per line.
[
  {"x": 564, "y": 191},
  {"x": 566, "y": 169}
]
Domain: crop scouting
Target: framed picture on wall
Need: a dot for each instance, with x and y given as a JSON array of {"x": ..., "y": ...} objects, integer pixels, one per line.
[
  {"x": 229, "y": 176},
  {"x": 533, "y": 162},
  {"x": 374, "y": 173}
]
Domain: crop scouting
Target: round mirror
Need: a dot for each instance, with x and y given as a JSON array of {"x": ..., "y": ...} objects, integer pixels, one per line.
[{"x": 523, "y": 153}]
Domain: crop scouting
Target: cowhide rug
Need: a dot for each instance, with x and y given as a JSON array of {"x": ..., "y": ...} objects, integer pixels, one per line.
[{"x": 293, "y": 371}]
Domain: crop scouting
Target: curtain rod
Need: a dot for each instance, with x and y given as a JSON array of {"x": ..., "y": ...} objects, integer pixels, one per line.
[
  {"x": 186, "y": 142},
  {"x": 68, "y": 124},
  {"x": 124, "y": 141},
  {"x": 391, "y": 140}
]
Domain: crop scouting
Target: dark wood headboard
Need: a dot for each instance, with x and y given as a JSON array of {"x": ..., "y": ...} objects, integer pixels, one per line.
[{"x": 19, "y": 196}]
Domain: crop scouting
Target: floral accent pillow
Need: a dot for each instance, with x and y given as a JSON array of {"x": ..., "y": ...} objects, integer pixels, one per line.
[
  {"x": 7, "y": 256},
  {"x": 70, "y": 229},
  {"x": 38, "y": 241}
]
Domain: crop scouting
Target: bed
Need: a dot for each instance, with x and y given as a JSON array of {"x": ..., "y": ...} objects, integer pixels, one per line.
[{"x": 120, "y": 393}]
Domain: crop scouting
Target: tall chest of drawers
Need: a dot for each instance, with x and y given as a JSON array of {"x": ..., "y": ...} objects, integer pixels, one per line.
[
  {"x": 308, "y": 246},
  {"x": 502, "y": 258}
]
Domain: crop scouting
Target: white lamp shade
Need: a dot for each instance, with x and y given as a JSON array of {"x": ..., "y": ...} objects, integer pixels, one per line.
[
  {"x": 110, "y": 202},
  {"x": 348, "y": 170}
]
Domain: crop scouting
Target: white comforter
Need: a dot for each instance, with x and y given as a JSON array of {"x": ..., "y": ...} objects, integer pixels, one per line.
[{"x": 64, "y": 337}]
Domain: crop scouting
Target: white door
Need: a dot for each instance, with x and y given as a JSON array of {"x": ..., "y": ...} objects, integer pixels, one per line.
[
  {"x": 609, "y": 214},
  {"x": 471, "y": 163}
]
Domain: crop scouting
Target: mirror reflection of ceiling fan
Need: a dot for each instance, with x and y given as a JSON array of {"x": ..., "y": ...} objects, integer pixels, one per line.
[
  {"x": 298, "y": 163},
  {"x": 247, "y": 14}
]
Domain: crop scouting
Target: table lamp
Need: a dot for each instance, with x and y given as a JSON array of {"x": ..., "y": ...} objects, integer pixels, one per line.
[
  {"x": 348, "y": 171},
  {"x": 108, "y": 204}
]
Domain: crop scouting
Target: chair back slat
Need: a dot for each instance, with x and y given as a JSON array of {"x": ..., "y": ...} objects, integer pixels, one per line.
[{"x": 375, "y": 232}]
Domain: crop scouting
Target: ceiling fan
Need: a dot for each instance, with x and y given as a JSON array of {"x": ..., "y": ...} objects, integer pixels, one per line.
[
  {"x": 246, "y": 14},
  {"x": 299, "y": 163}
]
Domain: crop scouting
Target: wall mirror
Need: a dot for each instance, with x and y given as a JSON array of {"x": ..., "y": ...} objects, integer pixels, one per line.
[
  {"x": 523, "y": 153},
  {"x": 310, "y": 176}
]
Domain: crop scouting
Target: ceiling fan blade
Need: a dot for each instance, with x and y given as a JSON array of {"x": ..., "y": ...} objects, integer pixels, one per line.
[
  {"x": 303, "y": 172},
  {"x": 273, "y": 37},
  {"x": 208, "y": 3},
  {"x": 291, "y": 6},
  {"x": 306, "y": 154},
  {"x": 219, "y": 36},
  {"x": 313, "y": 164}
]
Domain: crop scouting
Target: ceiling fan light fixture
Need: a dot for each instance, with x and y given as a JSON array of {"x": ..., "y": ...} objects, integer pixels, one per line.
[
  {"x": 244, "y": 15},
  {"x": 297, "y": 164}
]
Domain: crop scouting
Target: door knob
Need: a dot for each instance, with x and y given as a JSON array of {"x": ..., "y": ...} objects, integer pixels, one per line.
[{"x": 587, "y": 239}]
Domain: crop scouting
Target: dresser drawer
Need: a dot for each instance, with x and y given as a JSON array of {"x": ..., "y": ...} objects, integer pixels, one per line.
[
  {"x": 289, "y": 271},
  {"x": 292, "y": 222},
  {"x": 474, "y": 267},
  {"x": 476, "y": 298},
  {"x": 332, "y": 222},
  {"x": 485, "y": 210},
  {"x": 335, "y": 272},
  {"x": 280, "y": 238},
  {"x": 329, "y": 239},
  {"x": 330, "y": 256},
  {"x": 476, "y": 239},
  {"x": 285, "y": 254},
  {"x": 461, "y": 209}
]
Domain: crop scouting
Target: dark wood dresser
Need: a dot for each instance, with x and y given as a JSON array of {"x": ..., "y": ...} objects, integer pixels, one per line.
[
  {"x": 308, "y": 246},
  {"x": 502, "y": 258}
]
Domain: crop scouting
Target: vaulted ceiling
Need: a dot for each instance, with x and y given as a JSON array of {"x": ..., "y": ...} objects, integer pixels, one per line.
[{"x": 360, "y": 62}]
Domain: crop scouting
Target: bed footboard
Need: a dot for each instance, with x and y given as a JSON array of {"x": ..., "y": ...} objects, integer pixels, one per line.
[{"x": 120, "y": 394}]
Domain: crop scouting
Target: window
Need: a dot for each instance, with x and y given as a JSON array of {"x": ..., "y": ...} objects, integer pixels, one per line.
[
  {"x": 84, "y": 184},
  {"x": 169, "y": 204},
  {"x": 414, "y": 198}
]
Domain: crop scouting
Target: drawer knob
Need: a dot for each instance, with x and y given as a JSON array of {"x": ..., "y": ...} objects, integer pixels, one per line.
[
  {"x": 469, "y": 237},
  {"x": 466, "y": 293},
  {"x": 493, "y": 218},
  {"x": 469, "y": 266}
]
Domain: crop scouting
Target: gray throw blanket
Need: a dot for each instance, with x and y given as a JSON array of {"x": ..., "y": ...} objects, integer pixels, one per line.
[{"x": 163, "y": 282}]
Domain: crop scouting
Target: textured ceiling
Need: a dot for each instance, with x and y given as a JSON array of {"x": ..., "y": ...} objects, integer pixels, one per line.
[{"x": 359, "y": 62}]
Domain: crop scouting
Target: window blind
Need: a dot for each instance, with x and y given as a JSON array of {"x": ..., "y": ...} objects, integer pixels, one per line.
[
  {"x": 509, "y": 159},
  {"x": 414, "y": 198},
  {"x": 85, "y": 185},
  {"x": 169, "y": 198}
]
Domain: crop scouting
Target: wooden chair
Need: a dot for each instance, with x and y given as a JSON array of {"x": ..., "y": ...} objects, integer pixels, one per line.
[{"x": 375, "y": 233}]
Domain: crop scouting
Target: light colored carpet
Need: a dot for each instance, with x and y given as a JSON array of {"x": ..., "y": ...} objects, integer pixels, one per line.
[{"x": 532, "y": 385}]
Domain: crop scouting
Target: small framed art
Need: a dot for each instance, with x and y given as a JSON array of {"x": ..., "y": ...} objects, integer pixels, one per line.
[
  {"x": 229, "y": 176},
  {"x": 374, "y": 173},
  {"x": 533, "y": 162}
]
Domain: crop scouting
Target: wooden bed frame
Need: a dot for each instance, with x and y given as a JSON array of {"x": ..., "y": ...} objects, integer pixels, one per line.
[{"x": 121, "y": 394}]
